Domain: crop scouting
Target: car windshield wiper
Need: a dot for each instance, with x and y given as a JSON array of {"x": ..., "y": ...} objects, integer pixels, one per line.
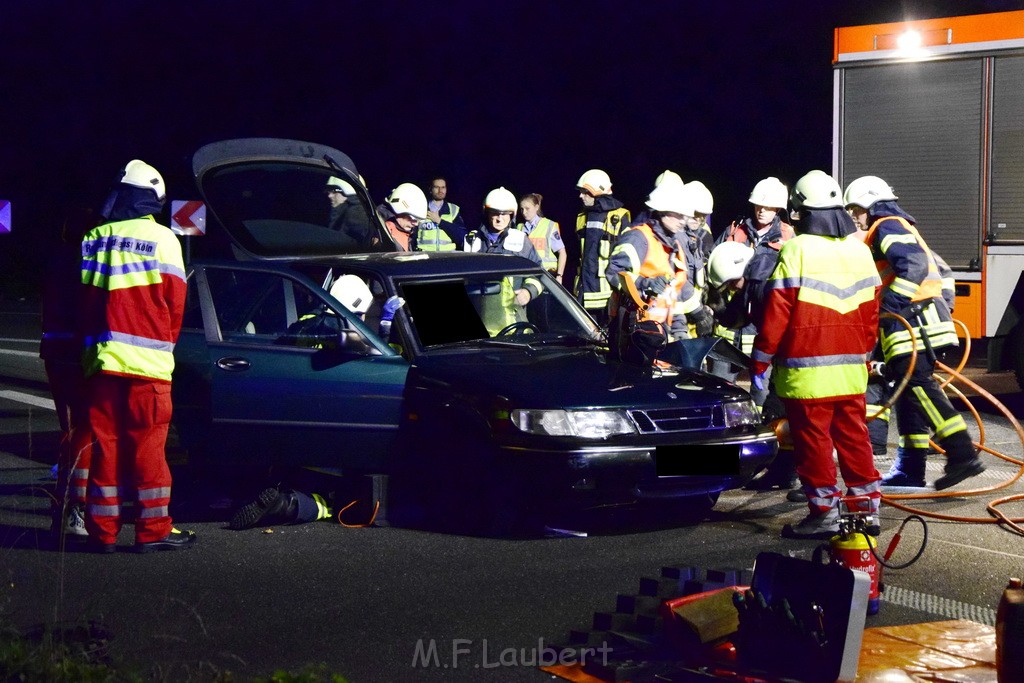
[
  {"x": 483, "y": 342},
  {"x": 567, "y": 340}
]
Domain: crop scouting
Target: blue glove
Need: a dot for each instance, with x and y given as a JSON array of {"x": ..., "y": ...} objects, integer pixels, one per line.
[
  {"x": 391, "y": 307},
  {"x": 759, "y": 381}
]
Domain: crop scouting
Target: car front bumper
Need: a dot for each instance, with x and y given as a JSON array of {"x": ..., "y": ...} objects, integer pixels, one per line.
[{"x": 604, "y": 474}]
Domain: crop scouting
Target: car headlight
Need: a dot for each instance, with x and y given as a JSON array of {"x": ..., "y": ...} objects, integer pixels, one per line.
[
  {"x": 739, "y": 413},
  {"x": 586, "y": 424}
]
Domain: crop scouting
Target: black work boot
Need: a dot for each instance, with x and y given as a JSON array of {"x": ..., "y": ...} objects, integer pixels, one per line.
[{"x": 272, "y": 506}]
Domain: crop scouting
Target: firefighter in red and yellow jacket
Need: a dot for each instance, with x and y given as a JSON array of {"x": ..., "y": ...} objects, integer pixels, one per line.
[
  {"x": 133, "y": 298},
  {"x": 819, "y": 327},
  {"x": 913, "y": 288}
]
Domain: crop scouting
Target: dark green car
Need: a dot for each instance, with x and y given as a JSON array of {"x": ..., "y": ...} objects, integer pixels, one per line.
[{"x": 469, "y": 400}]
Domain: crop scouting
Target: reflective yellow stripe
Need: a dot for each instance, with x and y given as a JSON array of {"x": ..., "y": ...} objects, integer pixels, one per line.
[
  {"x": 322, "y": 510},
  {"x": 634, "y": 259},
  {"x": 820, "y": 381},
  {"x": 914, "y": 440},
  {"x": 119, "y": 357},
  {"x": 951, "y": 426}
]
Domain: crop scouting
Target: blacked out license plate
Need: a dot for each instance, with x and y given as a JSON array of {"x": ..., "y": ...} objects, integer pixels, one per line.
[{"x": 699, "y": 460}]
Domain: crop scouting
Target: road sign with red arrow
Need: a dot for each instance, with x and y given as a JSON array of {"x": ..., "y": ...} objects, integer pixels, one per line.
[{"x": 188, "y": 217}]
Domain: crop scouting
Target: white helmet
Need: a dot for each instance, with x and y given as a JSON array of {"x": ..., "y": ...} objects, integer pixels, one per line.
[
  {"x": 675, "y": 197},
  {"x": 342, "y": 186},
  {"x": 667, "y": 176},
  {"x": 817, "y": 190},
  {"x": 596, "y": 182},
  {"x": 727, "y": 261},
  {"x": 770, "y": 192},
  {"x": 704, "y": 202},
  {"x": 353, "y": 293},
  {"x": 409, "y": 199},
  {"x": 500, "y": 199},
  {"x": 867, "y": 190},
  {"x": 140, "y": 174}
]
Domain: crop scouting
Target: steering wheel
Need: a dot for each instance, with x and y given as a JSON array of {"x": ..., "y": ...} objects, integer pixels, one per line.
[{"x": 516, "y": 327}]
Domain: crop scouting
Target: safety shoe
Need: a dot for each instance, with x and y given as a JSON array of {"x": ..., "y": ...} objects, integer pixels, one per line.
[
  {"x": 956, "y": 472},
  {"x": 266, "y": 508},
  {"x": 814, "y": 527},
  {"x": 796, "y": 495},
  {"x": 172, "y": 541},
  {"x": 895, "y": 479}
]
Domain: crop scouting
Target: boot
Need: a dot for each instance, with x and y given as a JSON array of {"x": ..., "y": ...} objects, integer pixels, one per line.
[
  {"x": 273, "y": 506},
  {"x": 280, "y": 506},
  {"x": 780, "y": 474},
  {"x": 816, "y": 527},
  {"x": 908, "y": 469}
]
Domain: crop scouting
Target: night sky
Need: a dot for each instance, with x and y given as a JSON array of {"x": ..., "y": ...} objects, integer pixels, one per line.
[{"x": 522, "y": 94}]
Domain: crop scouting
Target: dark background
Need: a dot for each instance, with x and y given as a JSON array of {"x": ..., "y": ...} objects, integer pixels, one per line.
[{"x": 522, "y": 94}]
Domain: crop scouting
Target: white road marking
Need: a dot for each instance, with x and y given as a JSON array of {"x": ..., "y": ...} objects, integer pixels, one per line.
[
  {"x": 18, "y": 341},
  {"x": 974, "y": 547},
  {"x": 29, "y": 399},
  {"x": 933, "y": 604},
  {"x": 12, "y": 352}
]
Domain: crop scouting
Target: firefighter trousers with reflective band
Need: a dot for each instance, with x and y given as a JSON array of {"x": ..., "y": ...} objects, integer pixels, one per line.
[
  {"x": 923, "y": 409},
  {"x": 817, "y": 426},
  {"x": 130, "y": 418},
  {"x": 74, "y": 454}
]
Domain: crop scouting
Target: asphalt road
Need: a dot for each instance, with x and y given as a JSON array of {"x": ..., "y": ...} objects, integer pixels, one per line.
[{"x": 366, "y": 601}]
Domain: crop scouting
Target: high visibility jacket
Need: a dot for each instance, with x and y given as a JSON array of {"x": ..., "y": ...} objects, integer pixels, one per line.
[
  {"x": 539, "y": 237},
  {"x": 910, "y": 275},
  {"x": 821, "y": 318},
  {"x": 430, "y": 237},
  {"x": 502, "y": 309},
  {"x": 746, "y": 233},
  {"x": 451, "y": 222},
  {"x": 642, "y": 252},
  {"x": 133, "y": 281},
  {"x": 598, "y": 227}
]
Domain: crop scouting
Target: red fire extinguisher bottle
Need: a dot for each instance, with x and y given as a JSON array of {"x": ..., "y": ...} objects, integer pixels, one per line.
[
  {"x": 853, "y": 551},
  {"x": 1010, "y": 634}
]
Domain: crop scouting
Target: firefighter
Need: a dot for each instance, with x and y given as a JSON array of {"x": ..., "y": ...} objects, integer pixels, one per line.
[
  {"x": 348, "y": 217},
  {"x": 444, "y": 214},
  {"x": 133, "y": 298},
  {"x": 819, "y": 326},
  {"x": 765, "y": 233},
  {"x": 704, "y": 204},
  {"x": 598, "y": 224},
  {"x": 653, "y": 257},
  {"x": 496, "y": 236},
  {"x": 913, "y": 289},
  {"x": 405, "y": 215},
  {"x": 544, "y": 235}
]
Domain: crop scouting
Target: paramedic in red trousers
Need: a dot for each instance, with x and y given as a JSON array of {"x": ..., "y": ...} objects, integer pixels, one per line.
[
  {"x": 600, "y": 220},
  {"x": 912, "y": 288},
  {"x": 819, "y": 328},
  {"x": 133, "y": 297}
]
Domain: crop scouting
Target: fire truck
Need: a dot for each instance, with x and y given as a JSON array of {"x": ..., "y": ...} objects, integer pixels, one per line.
[{"x": 936, "y": 108}]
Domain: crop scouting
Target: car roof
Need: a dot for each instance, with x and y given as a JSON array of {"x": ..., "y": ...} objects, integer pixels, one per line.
[{"x": 417, "y": 264}]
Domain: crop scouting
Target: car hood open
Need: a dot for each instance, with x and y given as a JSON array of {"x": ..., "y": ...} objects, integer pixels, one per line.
[{"x": 268, "y": 194}]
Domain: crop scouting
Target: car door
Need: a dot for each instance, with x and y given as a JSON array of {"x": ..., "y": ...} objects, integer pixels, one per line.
[{"x": 293, "y": 380}]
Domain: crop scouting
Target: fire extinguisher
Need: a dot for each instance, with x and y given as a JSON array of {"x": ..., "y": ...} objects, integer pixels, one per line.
[{"x": 855, "y": 547}]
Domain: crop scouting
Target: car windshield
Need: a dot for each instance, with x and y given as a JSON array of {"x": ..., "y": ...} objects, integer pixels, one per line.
[
  {"x": 287, "y": 209},
  {"x": 497, "y": 309}
]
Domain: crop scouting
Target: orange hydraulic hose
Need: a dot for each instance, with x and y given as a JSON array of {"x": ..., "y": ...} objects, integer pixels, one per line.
[{"x": 998, "y": 517}]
